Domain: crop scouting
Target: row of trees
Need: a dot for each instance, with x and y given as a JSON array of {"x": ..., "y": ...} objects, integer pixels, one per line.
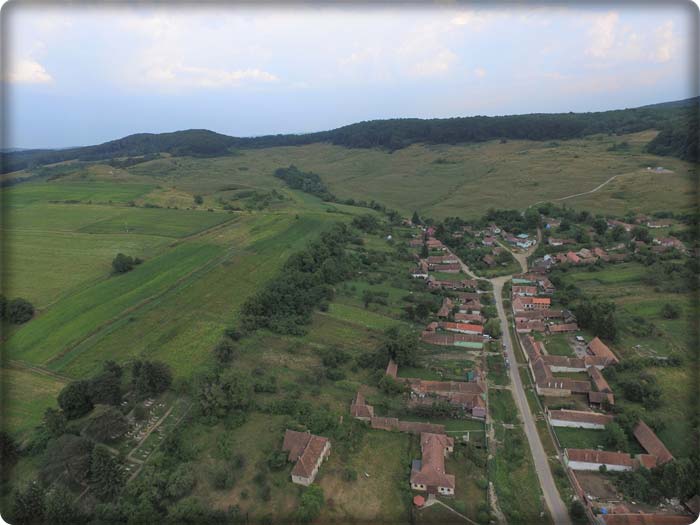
[
  {"x": 16, "y": 311},
  {"x": 308, "y": 182},
  {"x": 286, "y": 303}
]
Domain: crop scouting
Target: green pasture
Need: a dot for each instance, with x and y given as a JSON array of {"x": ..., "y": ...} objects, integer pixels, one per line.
[
  {"x": 49, "y": 339},
  {"x": 85, "y": 192},
  {"x": 25, "y": 396}
]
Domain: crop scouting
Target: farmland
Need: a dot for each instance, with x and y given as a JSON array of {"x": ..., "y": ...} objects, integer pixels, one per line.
[{"x": 213, "y": 232}]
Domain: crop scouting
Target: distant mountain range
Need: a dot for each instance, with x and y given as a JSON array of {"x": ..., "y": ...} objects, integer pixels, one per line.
[{"x": 677, "y": 122}]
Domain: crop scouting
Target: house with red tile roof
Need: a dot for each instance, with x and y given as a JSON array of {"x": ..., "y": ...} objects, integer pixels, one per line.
[
  {"x": 469, "y": 318},
  {"x": 428, "y": 474},
  {"x": 599, "y": 399},
  {"x": 588, "y": 459},
  {"x": 598, "y": 380},
  {"x": 552, "y": 328},
  {"x": 572, "y": 258},
  {"x": 599, "y": 349},
  {"x": 307, "y": 451},
  {"x": 524, "y": 290},
  {"x": 578, "y": 419},
  {"x": 462, "y": 328},
  {"x": 651, "y": 443}
]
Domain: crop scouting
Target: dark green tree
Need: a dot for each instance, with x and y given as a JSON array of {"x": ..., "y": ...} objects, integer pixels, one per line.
[
  {"x": 55, "y": 422},
  {"x": 29, "y": 505},
  {"x": 311, "y": 504},
  {"x": 19, "y": 311},
  {"x": 75, "y": 400},
  {"x": 106, "y": 474}
]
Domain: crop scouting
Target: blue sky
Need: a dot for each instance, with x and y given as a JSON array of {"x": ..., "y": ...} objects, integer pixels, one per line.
[{"x": 78, "y": 75}]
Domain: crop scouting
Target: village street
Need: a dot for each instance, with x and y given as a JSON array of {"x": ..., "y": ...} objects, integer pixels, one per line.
[{"x": 556, "y": 506}]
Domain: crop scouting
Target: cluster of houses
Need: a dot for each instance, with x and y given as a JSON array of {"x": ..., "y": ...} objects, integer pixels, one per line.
[
  {"x": 544, "y": 366},
  {"x": 532, "y": 306},
  {"x": 428, "y": 473}
]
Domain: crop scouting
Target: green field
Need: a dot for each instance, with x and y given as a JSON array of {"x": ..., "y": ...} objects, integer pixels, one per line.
[{"x": 25, "y": 396}]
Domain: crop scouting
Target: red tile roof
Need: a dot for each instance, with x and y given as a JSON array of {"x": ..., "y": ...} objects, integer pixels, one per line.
[
  {"x": 462, "y": 327},
  {"x": 586, "y": 455},
  {"x": 392, "y": 369},
  {"x": 304, "y": 448},
  {"x": 600, "y": 383},
  {"x": 651, "y": 443},
  {"x": 600, "y": 349},
  {"x": 432, "y": 472}
]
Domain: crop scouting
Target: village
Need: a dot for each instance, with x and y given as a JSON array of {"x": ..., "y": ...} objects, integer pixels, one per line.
[{"x": 570, "y": 386}]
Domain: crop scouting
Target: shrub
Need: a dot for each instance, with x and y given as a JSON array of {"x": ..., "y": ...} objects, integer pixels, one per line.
[{"x": 19, "y": 311}]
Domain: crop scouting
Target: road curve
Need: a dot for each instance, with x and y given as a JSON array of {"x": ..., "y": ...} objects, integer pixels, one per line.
[{"x": 556, "y": 506}]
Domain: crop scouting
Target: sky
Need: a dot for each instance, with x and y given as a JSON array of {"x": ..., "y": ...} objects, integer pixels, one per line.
[{"x": 78, "y": 75}]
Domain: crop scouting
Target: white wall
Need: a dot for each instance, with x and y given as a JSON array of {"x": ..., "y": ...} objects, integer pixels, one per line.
[
  {"x": 580, "y": 465},
  {"x": 574, "y": 424}
]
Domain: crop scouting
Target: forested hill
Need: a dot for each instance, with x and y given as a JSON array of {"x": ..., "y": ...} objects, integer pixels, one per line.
[{"x": 677, "y": 122}]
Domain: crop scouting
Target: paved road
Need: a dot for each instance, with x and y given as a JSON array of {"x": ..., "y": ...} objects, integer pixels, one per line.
[{"x": 554, "y": 502}]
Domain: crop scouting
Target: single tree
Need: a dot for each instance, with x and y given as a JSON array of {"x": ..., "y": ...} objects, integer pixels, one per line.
[
  {"x": 75, "y": 400},
  {"x": 55, "y": 422},
  {"x": 19, "y": 311}
]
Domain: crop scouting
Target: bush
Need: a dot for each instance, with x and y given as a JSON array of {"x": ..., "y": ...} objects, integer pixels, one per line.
[
  {"x": 19, "y": 311},
  {"x": 670, "y": 311},
  {"x": 124, "y": 263},
  {"x": 311, "y": 504},
  {"x": 349, "y": 474}
]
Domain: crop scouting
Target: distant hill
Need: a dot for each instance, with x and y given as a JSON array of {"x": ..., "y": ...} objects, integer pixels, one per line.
[{"x": 677, "y": 122}]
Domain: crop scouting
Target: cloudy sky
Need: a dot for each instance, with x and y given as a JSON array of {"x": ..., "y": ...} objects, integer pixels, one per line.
[{"x": 78, "y": 75}]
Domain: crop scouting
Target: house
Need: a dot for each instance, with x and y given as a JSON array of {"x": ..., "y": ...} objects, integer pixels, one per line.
[
  {"x": 601, "y": 254},
  {"x": 524, "y": 290},
  {"x": 466, "y": 395},
  {"x": 598, "y": 380},
  {"x": 428, "y": 474},
  {"x": 488, "y": 241},
  {"x": 560, "y": 363},
  {"x": 462, "y": 328},
  {"x": 489, "y": 260},
  {"x": 599, "y": 349},
  {"x": 531, "y": 303},
  {"x": 420, "y": 271},
  {"x": 547, "y": 287},
  {"x": 670, "y": 242},
  {"x": 588, "y": 459},
  {"x": 651, "y": 443},
  {"x": 449, "y": 258},
  {"x": 548, "y": 385},
  {"x": 435, "y": 244},
  {"x": 359, "y": 409},
  {"x": 469, "y": 318},
  {"x": 625, "y": 226},
  {"x": 446, "y": 268},
  {"x": 307, "y": 451},
  {"x": 662, "y": 223},
  {"x": 600, "y": 399},
  {"x": 578, "y": 419},
  {"x": 446, "y": 308},
  {"x": 526, "y": 326},
  {"x": 416, "y": 243},
  {"x": 572, "y": 258},
  {"x": 561, "y": 328},
  {"x": 475, "y": 342},
  {"x": 392, "y": 369}
]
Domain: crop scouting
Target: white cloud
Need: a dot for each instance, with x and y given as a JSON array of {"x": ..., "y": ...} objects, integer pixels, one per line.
[
  {"x": 665, "y": 41},
  {"x": 204, "y": 77},
  {"x": 436, "y": 65},
  {"x": 480, "y": 72},
  {"x": 27, "y": 71},
  {"x": 602, "y": 35}
]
